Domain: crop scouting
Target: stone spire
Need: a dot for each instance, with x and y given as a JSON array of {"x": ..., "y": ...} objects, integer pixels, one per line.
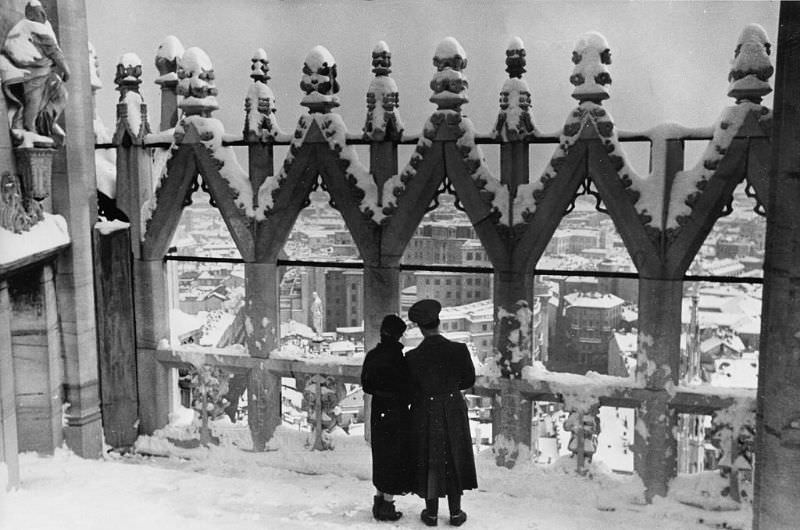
[
  {"x": 259, "y": 104},
  {"x": 751, "y": 67},
  {"x": 383, "y": 119},
  {"x": 131, "y": 110},
  {"x": 319, "y": 81},
  {"x": 590, "y": 75},
  {"x": 514, "y": 120},
  {"x": 129, "y": 74},
  {"x": 449, "y": 84}
]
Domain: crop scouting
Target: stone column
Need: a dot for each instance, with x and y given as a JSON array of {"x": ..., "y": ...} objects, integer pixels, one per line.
[
  {"x": 74, "y": 193},
  {"x": 776, "y": 484},
  {"x": 381, "y": 297},
  {"x": 263, "y": 329},
  {"x": 8, "y": 393},
  {"x": 658, "y": 365},
  {"x": 512, "y": 339}
]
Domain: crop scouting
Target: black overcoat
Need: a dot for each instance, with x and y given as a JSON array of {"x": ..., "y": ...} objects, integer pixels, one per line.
[
  {"x": 384, "y": 375},
  {"x": 444, "y": 464}
]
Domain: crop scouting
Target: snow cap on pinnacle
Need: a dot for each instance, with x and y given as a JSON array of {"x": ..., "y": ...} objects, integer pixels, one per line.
[
  {"x": 319, "y": 57},
  {"x": 129, "y": 59},
  {"x": 590, "y": 76},
  {"x": 129, "y": 71},
  {"x": 381, "y": 47},
  {"x": 170, "y": 48},
  {"x": 751, "y": 67},
  {"x": 450, "y": 54},
  {"x": 515, "y": 58},
  {"x": 515, "y": 44},
  {"x": 195, "y": 60},
  {"x": 259, "y": 67}
]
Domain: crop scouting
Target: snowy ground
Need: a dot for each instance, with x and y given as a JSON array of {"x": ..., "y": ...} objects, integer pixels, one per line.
[{"x": 290, "y": 487}]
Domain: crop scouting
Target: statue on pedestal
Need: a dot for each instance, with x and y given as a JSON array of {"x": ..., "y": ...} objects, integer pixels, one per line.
[
  {"x": 33, "y": 71},
  {"x": 316, "y": 314}
]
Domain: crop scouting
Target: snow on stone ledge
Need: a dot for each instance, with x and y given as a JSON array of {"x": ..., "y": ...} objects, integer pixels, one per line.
[
  {"x": 45, "y": 235},
  {"x": 580, "y": 392},
  {"x": 107, "y": 227},
  {"x": 291, "y": 352}
]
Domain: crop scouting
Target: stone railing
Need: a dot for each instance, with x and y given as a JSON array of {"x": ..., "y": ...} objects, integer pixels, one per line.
[{"x": 663, "y": 216}]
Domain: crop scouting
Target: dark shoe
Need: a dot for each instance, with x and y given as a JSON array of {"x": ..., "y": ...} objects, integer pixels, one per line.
[
  {"x": 386, "y": 511},
  {"x": 459, "y": 518},
  {"x": 428, "y": 519},
  {"x": 377, "y": 500}
]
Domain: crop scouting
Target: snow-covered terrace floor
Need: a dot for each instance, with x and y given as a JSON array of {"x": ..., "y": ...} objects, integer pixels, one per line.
[{"x": 229, "y": 487}]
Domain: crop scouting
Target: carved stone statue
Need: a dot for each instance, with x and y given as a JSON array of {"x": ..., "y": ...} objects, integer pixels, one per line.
[
  {"x": 316, "y": 313},
  {"x": 33, "y": 72},
  {"x": 12, "y": 212}
]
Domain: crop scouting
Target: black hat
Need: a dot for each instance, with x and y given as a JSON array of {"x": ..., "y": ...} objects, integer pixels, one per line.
[
  {"x": 425, "y": 312},
  {"x": 393, "y": 325}
]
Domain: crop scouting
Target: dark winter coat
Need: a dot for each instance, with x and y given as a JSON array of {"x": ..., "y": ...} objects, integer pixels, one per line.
[
  {"x": 384, "y": 375},
  {"x": 444, "y": 464}
]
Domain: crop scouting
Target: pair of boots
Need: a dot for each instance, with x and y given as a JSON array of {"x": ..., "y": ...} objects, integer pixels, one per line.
[
  {"x": 384, "y": 510},
  {"x": 455, "y": 520},
  {"x": 457, "y": 515}
]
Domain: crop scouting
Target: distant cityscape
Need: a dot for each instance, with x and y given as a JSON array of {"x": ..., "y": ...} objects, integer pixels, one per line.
[{"x": 580, "y": 323}]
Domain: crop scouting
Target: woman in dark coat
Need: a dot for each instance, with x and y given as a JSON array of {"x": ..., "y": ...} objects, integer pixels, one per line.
[
  {"x": 384, "y": 378},
  {"x": 439, "y": 370}
]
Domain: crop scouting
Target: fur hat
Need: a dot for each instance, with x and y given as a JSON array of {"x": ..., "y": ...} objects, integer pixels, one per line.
[
  {"x": 393, "y": 325},
  {"x": 425, "y": 312}
]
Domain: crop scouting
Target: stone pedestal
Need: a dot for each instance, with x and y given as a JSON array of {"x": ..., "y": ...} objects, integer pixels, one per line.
[{"x": 35, "y": 166}]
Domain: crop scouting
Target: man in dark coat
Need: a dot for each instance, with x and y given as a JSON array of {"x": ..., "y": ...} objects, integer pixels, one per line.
[
  {"x": 384, "y": 378},
  {"x": 438, "y": 371}
]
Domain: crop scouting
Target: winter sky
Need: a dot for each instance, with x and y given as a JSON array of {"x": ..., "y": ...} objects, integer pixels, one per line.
[{"x": 670, "y": 59}]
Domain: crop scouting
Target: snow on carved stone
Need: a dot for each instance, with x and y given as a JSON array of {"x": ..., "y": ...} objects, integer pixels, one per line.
[
  {"x": 133, "y": 103},
  {"x": 751, "y": 67},
  {"x": 590, "y": 75},
  {"x": 318, "y": 57},
  {"x": 129, "y": 60},
  {"x": 335, "y": 131},
  {"x": 686, "y": 182},
  {"x": 170, "y": 48},
  {"x": 272, "y": 183},
  {"x": 482, "y": 177},
  {"x": 196, "y": 75},
  {"x": 211, "y": 132},
  {"x": 380, "y": 47},
  {"x": 168, "y": 54},
  {"x": 449, "y": 47},
  {"x": 516, "y": 44}
]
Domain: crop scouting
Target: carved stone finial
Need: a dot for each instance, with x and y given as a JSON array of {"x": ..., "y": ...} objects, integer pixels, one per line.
[
  {"x": 381, "y": 59},
  {"x": 383, "y": 120},
  {"x": 259, "y": 104},
  {"x": 34, "y": 71},
  {"x": 196, "y": 83},
  {"x": 515, "y": 58},
  {"x": 167, "y": 56},
  {"x": 448, "y": 84},
  {"x": 259, "y": 69},
  {"x": 129, "y": 74},
  {"x": 13, "y": 216},
  {"x": 751, "y": 67},
  {"x": 590, "y": 75},
  {"x": 514, "y": 120},
  {"x": 319, "y": 81}
]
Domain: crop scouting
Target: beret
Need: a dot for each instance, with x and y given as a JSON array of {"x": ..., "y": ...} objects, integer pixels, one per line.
[
  {"x": 393, "y": 325},
  {"x": 425, "y": 312}
]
